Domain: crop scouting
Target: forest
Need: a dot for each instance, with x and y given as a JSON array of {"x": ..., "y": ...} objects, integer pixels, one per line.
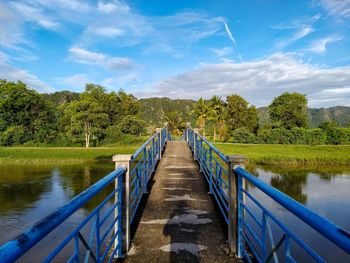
[{"x": 97, "y": 117}]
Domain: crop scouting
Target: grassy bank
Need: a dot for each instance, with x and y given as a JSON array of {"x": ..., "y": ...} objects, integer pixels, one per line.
[
  {"x": 60, "y": 155},
  {"x": 292, "y": 155}
]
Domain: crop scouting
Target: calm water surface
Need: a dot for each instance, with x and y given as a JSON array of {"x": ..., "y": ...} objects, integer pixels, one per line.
[
  {"x": 325, "y": 191},
  {"x": 27, "y": 193}
]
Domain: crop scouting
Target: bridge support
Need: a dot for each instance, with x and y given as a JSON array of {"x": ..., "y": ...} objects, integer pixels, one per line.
[
  {"x": 235, "y": 209},
  {"x": 124, "y": 160}
]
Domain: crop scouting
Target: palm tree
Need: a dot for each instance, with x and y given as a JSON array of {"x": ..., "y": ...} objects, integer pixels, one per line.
[
  {"x": 175, "y": 122},
  {"x": 203, "y": 111},
  {"x": 217, "y": 115}
]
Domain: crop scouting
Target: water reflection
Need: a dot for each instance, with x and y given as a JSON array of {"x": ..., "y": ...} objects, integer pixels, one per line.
[
  {"x": 324, "y": 190},
  {"x": 28, "y": 193}
]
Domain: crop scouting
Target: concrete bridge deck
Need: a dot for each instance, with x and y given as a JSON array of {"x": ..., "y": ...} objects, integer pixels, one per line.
[{"x": 180, "y": 222}]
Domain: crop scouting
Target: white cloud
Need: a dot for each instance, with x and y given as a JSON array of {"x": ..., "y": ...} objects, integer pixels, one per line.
[
  {"x": 320, "y": 45},
  {"x": 76, "y": 80},
  {"x": 108, "y": 8},
  {"x": 299, "y": 34},
  {"x": 229, "y": 33},
  {"x": 121, "y": 81},
  {"x": 12, "y": 73},
  {"x": 85, "y": 56},
  {"x": 108, "y": 32},
  {"x": 337, "y": 8},
  {"x": 29, "y": 13},
  {"x": 302, "y": 27},
  {"x": 259, "y": 81},
  {"x": 222, "y": 52}
]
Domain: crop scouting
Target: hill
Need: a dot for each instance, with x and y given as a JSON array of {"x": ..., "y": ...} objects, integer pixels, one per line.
[
  {"x": 153, "y": 110},
  {"x": 339, "y": 114}
]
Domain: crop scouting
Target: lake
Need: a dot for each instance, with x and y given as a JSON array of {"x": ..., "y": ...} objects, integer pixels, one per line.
[{"x": 27, "y": 193}]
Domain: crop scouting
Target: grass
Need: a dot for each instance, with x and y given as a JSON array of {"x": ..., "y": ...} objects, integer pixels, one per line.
[
  {"x": 61, "y": 155},
  {"x": 290, "y": 155}
]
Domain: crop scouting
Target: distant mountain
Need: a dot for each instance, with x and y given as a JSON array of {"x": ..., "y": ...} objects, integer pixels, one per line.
[
  {"x": 154, "y": 109},
  {"x": 339, "y": 114}
]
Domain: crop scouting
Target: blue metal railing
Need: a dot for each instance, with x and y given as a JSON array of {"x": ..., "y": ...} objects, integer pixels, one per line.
[
  {"x": 329, "y": 230},
  {"x": 106, "y": 228},
  {"x": 142, "y": 165},
  {"x": 99, "y": 251},
  {"x": 251, "y": 245},
  {"x": 214, "y": 167}
]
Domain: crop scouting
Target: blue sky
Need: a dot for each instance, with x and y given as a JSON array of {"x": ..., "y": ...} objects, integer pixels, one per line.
[{"x": 181, "y": 49}]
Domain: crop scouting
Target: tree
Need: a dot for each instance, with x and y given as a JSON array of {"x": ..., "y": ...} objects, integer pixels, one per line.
[
  {"x": 240, "y": 114},
  {"x": 25, "y": 110},
  {"x": 87, "y": 115},
  {"x": 218, "y": 115},
  {"x": 289, "y": 110},
  {"x": 203, "y": 111},
  {"x": 175, "y": 121}
]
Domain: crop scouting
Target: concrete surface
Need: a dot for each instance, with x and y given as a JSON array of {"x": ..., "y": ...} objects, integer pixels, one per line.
[{"x": 180, "y": 222}]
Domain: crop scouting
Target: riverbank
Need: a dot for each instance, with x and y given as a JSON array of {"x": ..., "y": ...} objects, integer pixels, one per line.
[
  {"x": 290, "y": 155},
  {"x": 61, "y": 155}
]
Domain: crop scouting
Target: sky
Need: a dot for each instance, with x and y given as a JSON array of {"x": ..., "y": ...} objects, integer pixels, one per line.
[{"x": 181, "y": 49}]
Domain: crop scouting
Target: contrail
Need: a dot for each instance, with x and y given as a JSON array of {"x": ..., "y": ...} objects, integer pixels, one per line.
[{"x": 230, "y": 36}]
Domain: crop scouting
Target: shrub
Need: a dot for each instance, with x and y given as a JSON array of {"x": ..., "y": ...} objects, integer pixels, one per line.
[
  {"x": 113, "y": 134},
  {"x": 13, "y": 135},
  {"x": 243, "y": 135},
  {"x": 132, "y": 125},
  {"x": 315, "y": 136}
]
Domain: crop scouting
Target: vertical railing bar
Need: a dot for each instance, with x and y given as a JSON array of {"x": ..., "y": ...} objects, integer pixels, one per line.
[
  {"x": 263, "y": 237},
  {"x": 269, "y": 231},
  {"x": 98, "y": 245},
  {"x": 76, "y": 247}
]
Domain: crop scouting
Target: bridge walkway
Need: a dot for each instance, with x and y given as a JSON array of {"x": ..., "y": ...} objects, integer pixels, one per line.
[{"x": 180, "y": 222}]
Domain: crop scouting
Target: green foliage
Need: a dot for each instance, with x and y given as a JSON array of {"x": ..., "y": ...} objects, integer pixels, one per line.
[
  {"x": 25, "y": 111},
  {"x": 243, "y": 135},
  {"x": 176, "y": 123},
  {"x": 203, "y": 112},
  {"x": 290, "y": 155},
  {"x": 240, "y": 114},
  {"x": 154, "y": 110},
  {"x": 60, "y": 97},
  {"x": 334, "y": 134},
  {"x": 275, "y": 136},
  {"x": 13, "y": 135},
  {"x": 132, "y": 125},
  {"x": 218, "y": 115},
  {"x": 289, "y": 110},
  {"x": 113, "y": 134}
]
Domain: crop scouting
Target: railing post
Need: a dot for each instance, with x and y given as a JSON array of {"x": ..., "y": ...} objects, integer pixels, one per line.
[
  {"x": 235, "y": 197},
  {"x": 145, "y": 174},
  {"x": 210, "y": 170},
  {"x": 195, "y": 131},
  {"x": 159, "y": 131},
  {"x": 124, "y": 160},
  {"x": 166, "y": 131},
  {"x": 188, "y": 126}
]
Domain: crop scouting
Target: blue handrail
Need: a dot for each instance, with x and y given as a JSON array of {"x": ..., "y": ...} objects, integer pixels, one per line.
[
  {"x": 329, "y": 230},
  {"x": 248, "y": 241},
  {"x": 15, "y": 248},
  {"x": 141, "y": 167},
  {"x": 143, "y": 164}
]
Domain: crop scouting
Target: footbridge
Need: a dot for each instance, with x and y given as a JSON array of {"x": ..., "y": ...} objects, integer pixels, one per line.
[{"x": 180, "y": 201}]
